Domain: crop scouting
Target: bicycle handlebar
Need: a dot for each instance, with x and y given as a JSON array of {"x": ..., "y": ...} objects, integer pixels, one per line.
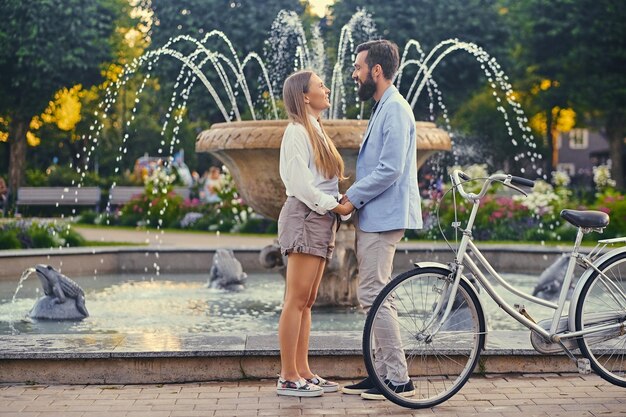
[
  {"x": 524, "y": 182},
  {"x": 510, "y": 181}
]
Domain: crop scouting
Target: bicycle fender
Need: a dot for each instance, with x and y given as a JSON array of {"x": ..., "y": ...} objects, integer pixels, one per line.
[
  {"x": 439, "y": 265},
  {"x": 583, "y": 279}
]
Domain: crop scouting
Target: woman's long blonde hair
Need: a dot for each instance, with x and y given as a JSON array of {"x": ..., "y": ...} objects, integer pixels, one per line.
[{"x": 328, "y": 161}]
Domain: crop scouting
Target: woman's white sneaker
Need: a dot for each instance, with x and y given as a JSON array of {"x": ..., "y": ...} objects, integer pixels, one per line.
[
  {"x": 327, "y": 386},
  {"x": 298, "y": 388}
]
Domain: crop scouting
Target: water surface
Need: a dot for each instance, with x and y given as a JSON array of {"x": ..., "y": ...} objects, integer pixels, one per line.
[{"x": 182, "y": 303}]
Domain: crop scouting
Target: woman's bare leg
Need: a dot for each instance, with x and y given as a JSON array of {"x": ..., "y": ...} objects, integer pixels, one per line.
[
  {"x": 301, "y": 275},
  {"x": 302, "y": 353}
]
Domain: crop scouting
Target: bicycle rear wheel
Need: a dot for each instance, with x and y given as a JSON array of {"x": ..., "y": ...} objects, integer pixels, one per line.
[
  {"x": 438, "y": 365},
  {"x": 602, "y": 302}
]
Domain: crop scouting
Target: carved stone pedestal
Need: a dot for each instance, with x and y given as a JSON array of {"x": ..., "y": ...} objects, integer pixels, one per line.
[{"x": 339, "y": 283}]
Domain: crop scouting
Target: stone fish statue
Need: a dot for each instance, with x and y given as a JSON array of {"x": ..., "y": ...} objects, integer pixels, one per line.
[
  {"x": 460, "y": 317},
  {"x": 551, "y": 280},
  {"x": 226, "y": 272},
  {"x": 63, "y": 299}
]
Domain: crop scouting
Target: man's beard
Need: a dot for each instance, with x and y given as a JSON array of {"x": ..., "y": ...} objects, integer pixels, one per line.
[{"x": 367, "y": 88}]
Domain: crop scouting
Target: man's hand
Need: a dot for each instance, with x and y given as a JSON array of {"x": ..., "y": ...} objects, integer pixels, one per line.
[{"x": 346, "y": 201}]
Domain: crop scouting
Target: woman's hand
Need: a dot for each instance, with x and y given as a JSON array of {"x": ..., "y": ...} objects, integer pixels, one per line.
[{"x": 343, "y": 209}]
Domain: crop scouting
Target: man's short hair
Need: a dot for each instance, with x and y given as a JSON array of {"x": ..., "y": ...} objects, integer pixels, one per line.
[{"x": 382, "y": 52}]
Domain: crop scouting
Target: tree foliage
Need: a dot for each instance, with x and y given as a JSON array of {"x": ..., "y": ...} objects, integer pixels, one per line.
[
  {"x": 43, "y": 48},
  {"x": 580, "y": 45}
]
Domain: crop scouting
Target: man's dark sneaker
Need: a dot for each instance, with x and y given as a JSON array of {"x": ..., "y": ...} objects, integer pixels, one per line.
[
  {"x": 359, "y": 387},
  {"x": 405, "y": 390}
]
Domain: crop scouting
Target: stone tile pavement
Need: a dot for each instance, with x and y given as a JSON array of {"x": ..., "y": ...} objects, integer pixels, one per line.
[{"x": 492, "y": 395}]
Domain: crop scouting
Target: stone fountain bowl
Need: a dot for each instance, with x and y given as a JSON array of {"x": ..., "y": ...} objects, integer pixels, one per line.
[{"x": 250, "y": 151}]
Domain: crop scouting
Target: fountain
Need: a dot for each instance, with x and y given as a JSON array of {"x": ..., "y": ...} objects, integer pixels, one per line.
[
  {"x": 174, "y": 322},
  {"x": 250, "y": 149}
]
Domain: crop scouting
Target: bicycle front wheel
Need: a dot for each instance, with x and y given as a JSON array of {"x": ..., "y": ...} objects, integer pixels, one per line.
[
  {"x": 400, "y": 338},
  {"x": 602, "y": 302}
]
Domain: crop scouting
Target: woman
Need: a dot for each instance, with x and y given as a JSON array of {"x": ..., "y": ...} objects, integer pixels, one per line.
[{"x": 310, "y": 167}]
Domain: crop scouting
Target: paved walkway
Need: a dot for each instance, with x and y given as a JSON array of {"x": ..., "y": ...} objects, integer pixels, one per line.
[
  {"x": 518, "y": 395},
  {"x": 212, "y": 240},
  {"x": 168, "y": 238}
]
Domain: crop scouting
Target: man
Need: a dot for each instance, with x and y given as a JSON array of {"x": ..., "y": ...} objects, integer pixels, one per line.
[{"x": 387, "y": 200}]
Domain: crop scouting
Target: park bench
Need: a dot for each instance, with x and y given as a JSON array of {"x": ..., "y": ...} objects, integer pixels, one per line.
[
  {"x": 119, "y": 195},
  {"x": 62, "y": 196}
]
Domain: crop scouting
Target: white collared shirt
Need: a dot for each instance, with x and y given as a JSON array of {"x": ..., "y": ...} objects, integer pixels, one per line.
[{"x": 299, "y": 173}]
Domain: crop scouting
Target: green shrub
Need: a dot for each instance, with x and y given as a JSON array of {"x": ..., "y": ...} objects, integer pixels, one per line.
[
  {"x": 42, "y": 236},
  {"x": 87, "y": 217},
  {"x": 9, "y": 239},
  {"x": 29, "y": 234},
  {"x": 61, "y": 175},
  {"x": 36, "y": 178}
]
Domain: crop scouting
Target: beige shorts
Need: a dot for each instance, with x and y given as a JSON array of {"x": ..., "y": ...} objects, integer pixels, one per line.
[{"x": 302, "y": 230}]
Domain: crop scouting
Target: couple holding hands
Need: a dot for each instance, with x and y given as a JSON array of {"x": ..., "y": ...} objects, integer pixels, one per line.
[{"x": 383, "y": 201}]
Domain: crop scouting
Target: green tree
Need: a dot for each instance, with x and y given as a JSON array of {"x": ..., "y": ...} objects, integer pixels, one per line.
[
  {"x": 44, "y": 47},
  {"x": 428, "y": 22},
  {"x": 580, "y": 45}
]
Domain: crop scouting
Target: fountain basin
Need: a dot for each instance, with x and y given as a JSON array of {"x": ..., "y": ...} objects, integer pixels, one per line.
[
  {"x": 181, "y": 303},
  {"x": 250, "y": 150},
  {"x": 126, "y": 356}
]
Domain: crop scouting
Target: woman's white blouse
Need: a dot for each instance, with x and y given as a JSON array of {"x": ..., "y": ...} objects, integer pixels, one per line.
[{"x": 299, "y": 173}]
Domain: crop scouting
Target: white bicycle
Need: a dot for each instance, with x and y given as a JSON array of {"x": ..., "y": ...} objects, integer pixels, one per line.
[{"x": 441, "y": 322}]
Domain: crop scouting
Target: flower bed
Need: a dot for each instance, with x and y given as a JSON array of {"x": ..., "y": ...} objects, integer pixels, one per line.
[{"x": 504, "y": 215}]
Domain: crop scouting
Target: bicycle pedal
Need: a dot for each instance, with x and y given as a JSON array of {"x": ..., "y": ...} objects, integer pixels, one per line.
[{"x": 584, "y": 366}]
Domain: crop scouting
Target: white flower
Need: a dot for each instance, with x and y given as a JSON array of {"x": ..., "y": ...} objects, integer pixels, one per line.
[
  {"x": 602, "y": 177},
  {"x": 560, "y": 178},
  {"x": 160, "y": 180},
  {"x": 539, "y": 201}
]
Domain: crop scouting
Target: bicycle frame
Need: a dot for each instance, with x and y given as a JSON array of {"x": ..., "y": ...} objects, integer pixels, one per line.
[{"x": 462, "y": 260}]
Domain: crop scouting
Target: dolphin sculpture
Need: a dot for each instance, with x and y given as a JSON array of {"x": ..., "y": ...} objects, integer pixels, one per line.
[
  {"x": 551, "y": 280},
  {"x": 459, "y": 318},
  {"x": 226, "y": 272},
  {"x": 63, "y": 299}
]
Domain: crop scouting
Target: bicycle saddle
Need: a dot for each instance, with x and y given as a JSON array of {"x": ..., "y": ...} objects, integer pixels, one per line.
[{"x": 587, "y": 218}]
